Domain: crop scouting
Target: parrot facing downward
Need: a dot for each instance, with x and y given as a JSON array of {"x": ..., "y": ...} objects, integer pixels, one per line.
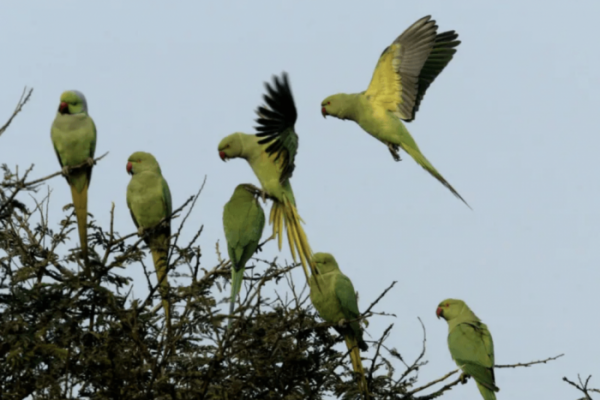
[
  {"x": 73, "y": 135},
  {"x": 149, "y": 201},
  {"x": 403, "y": 73},
  {"x": 470, "y": 344},
  {"x": 272, "y": 160},
  {"x": 335, "y": 302},
  {"x": 243, "y": 222}
]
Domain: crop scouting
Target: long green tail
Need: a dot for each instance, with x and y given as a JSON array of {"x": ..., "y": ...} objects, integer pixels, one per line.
[
  {"x": 486, "y": 393},
  {"x": 159, "y": 256},
  {"x": 357, "y": 366},
  {"x": 80, "y": 204},
  {"x": 297, "y": 239},
  {"x": 424, "y": 162},
  {"x": 236, "y": 283}
]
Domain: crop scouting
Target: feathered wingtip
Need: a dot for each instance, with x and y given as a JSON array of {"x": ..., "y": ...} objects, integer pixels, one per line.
[{"x": 279, "y": 113}]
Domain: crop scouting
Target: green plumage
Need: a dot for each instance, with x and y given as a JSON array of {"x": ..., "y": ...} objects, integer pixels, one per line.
[
  {"x": 336, "y": 301},
  {"x": 73, "y": 135},
  {"x": 402, "y": 76},
  {"x": 243, "y": 222},
  {"x": 470, "y": 344},
  {"x": 149, "y": 201}
]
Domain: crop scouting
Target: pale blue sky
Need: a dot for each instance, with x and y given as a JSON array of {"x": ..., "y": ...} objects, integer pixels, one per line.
[{"x": 510, "y": 123}]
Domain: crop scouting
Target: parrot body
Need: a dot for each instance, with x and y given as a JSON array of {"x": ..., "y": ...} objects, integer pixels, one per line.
[
  {"x": 272, "y": 160},
  {"x": 149, "y": 201},
  {"x": 73, "y": 135},
  {"x": 243, "y": 222},
  {"x": 404, "y": 72},
  {"x": 336, "y": 301},
  {"x": 470, "y": 344}
]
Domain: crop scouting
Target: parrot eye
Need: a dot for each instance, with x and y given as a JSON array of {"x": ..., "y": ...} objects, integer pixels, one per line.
[
  {"x": 447, "y": 304},
  {"x": 328, "y": 103},
  {"x": 139, "y": 160}
]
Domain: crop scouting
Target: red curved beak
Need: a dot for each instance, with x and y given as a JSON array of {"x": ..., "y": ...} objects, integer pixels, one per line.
[
  {"x": 439, "y": 312},
  {"x": 222, "y": 155},
  {"x": 324, "y": 112},
  {"x": 129, "y": 168},
  {"x": 63, "y": 108}
]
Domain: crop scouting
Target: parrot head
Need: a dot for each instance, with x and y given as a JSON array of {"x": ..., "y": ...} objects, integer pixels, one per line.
[
  {"x": 335, "y": 106},
  {"x": 72, "y": 102},
  {"x": 325, "y": 263},
  {"x": 450, "y": 309},
  {"x": 140, "y": 162},
  {"x": 230, "y": 147}
]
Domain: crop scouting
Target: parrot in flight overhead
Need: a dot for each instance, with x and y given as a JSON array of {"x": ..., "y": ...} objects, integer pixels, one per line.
[
  {"x": 271, "y": 154},
  {"x": 243, "y": 222},
  {"x": 149, "y": 201},
  {"x": 403, "y": 73},
  {"x": 73, "y": 135},
  {"x": 470, "y": 344},
  {"x": 335, "y": 302}
]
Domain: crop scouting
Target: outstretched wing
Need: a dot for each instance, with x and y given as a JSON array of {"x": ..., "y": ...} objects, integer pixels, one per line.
[
  {"x": 409, "y": 65},
  {"x": 276, "y": 124}
]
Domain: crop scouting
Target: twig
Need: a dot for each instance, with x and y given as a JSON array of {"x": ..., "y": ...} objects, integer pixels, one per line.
[
  {"x": 24, "y": 99},
  {"x": 583, "y": 387}
]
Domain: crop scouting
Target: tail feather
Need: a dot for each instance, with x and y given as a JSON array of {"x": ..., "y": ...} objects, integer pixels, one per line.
[
  {"x": 159, "y": 256},
  {"x": 236, "y": 284},
  {"x": 352, "y": 345},
  {"x": 286, "y": 212},
  {"x": 424, "y": 162},
  {"x": 486, "y": 393},
  {"x": 80, "y": 204}
]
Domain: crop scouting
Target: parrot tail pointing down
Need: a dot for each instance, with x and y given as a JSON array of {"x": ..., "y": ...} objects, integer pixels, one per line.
[
  {"x": 352, "y": 345},
  {"x": 297, "y": 239},
  {"x": 80, "y": 205},
  {"x": 159, "y": 248}
]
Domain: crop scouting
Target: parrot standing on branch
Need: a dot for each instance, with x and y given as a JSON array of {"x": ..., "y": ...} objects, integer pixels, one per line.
[
  {"x": 243, "y": 222},
  {"x": 272, "y": 160},
  {"x": 149, "y": 201},
  {"x": 336, "y": 303},
  {"x": 73, "y": 135},
  {"x": 470, "y": 344},
  {"x": 402, "y": 75}
]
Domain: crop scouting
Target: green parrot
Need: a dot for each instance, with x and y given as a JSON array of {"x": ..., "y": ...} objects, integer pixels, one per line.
[
  {"x": 149, "y": 201},
  {"x": 471, "y": 345},
  {"x": 402, "y": 75},
  {"x": 336, "y": 302},
  {"x": 272, "y": 160},
  {"x": 73, "y": 135},
  {"x": 243, "y": 222}
]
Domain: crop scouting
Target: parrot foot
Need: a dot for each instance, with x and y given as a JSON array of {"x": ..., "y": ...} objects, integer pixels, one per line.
[
  {"x": 141, "y": 231},
  {"x": 66, "y": 171},
  {"x": 463, "y": 378},
  {"x": 341, "y": 323},
  {"x": 90, "y": 161},
  {"x": 394, "y": 150}
]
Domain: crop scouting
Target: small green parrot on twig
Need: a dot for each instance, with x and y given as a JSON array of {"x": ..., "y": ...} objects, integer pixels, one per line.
[
  {"x": 336, "y": 303},
  {"x": 149, "y": 201},
  {"x": 470, "y": 344},
  {"x": 73, "y": 135},
  {"x": 243, "y": 222}
]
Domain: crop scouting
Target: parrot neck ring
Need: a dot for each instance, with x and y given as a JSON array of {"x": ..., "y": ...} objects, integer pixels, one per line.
[{"x": 63, "y": 108}]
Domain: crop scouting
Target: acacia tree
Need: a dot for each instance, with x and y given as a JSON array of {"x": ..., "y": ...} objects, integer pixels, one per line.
[{"x": 73, "y": 329}]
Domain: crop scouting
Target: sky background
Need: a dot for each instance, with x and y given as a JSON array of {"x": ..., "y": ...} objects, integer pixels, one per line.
[{"x": 510, "y": 123}]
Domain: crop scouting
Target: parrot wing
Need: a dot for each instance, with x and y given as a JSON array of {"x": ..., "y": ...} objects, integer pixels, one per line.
[{"x": 276, "y": 124}]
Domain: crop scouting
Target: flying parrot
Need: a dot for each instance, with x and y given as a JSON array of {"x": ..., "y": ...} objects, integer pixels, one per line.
[
  {"x": 149, "y": 201},
  {"x": 73, "y": 135},
  {"x": 470, "y": 344},
  {"x": 336, "y": 302},
  {"x": 271, "y": 154},
  {"x": 402, "y": 75},
  {"x": 243, "y": 222}
]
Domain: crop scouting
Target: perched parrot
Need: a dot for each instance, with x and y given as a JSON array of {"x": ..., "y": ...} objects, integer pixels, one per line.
[
  {"x": 272, "y": 160},
  {"x": 470, "y": 344},
  {"x": 149, "y": 201},
  {"x": 402, "y": 75},
  {"x": 336, "y": 302},
  {"x": 73, "y": 135},
  {"x": 243, "y": 222}
]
